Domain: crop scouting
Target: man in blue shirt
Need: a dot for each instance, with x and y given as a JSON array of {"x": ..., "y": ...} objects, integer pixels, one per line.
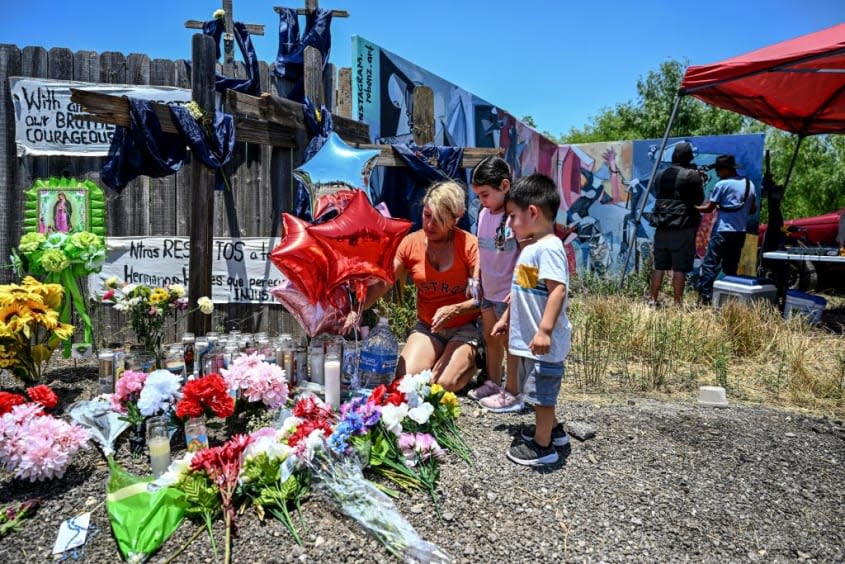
[{"x": 734, "y": 197}]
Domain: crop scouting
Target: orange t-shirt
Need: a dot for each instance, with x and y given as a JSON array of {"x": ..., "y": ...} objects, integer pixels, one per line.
[{"x": 436, "y": 289}]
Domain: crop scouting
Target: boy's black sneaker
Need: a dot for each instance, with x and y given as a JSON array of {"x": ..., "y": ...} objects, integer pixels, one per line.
[
  {"x": 530, "y": 453},
  {"x": 559, "y": 436}
]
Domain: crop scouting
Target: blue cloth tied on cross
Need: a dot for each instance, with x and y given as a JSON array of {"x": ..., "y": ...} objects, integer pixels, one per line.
[
  {"x": 249, "y": 85},
  {"x": 289, "y": 66},
  {"x": 144, "y": 148}
]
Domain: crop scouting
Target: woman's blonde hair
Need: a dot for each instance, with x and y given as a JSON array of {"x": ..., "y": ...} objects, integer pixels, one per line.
[{"x": 447, "y": 199}]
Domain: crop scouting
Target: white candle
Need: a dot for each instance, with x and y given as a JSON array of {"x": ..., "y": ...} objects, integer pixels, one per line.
[
  {"x": 332, "y": 375},
  {"x": 159, "y": 454}
]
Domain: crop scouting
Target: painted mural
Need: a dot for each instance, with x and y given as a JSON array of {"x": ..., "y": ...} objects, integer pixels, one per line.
[{"x": 602, "y": 184}]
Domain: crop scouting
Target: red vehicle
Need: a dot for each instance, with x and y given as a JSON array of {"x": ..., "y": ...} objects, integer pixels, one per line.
[{"x": 806, "y": 235}]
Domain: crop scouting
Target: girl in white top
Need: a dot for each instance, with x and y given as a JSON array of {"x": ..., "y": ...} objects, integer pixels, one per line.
[{"x": 497, "y": 250}]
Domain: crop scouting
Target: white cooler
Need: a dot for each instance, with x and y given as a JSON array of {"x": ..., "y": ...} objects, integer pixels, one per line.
[
  {"x": 801, "y": 303},
  {"x": 744, "y": 289}
]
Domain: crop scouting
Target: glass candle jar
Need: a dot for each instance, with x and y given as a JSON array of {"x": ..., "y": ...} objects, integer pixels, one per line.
[
  {"x": 106, "y": 360},
  {"x": 158, "y": 443},
  {"x": 196, "y": 434}
]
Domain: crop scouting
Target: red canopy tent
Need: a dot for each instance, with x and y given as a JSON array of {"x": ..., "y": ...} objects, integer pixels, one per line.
[{"x": 796, "y": 85}]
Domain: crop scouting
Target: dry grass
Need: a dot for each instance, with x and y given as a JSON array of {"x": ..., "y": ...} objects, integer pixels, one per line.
[{"x": 621, "y": 345}]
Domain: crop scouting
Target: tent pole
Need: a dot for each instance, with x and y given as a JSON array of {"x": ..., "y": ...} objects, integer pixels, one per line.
[
  {"x": 792, "y": 162},
  {"x": 639, "y": 211}
]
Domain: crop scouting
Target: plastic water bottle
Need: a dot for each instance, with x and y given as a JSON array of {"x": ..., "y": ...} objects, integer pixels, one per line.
[{"x": 379, "y": 355}]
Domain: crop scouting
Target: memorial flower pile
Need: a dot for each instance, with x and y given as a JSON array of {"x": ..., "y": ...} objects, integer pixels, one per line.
[
  {"x": 41, "y": 394},
  {"x": 127, "y": 392},
  {"x": 30, "y": 329},
  {"x": 36, "y": 446}
]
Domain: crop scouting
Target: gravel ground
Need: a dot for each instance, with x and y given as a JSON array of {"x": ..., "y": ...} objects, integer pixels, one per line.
[{"x": 660, "y": 482}]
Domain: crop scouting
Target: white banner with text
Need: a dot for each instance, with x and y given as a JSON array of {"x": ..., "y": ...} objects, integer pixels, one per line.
[
  {"x": 45, "y": 121},
  {"x": 241, "y": 270}
]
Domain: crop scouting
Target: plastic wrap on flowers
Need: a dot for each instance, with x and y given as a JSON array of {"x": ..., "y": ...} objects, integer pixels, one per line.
[
  {"x": 142, "y": 517},
  {"x": 342, "y": 480},
  {"x": 103, "y": 423}
]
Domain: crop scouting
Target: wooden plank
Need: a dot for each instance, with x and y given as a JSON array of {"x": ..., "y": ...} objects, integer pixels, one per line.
[
  {"x": 10, "y": 192},
  {"x": 137, "y": 192},
  {"x": 202, "y": 185},
  {"x": 34, "y": 63},
  {"x": 163, "y": 190},
  {"x": 313, "y": 76},
  {"x": 86, "y": 68},
  {"x": 328, "y": 86},
  {"x": 113, "y": 70},
  {"x": 306, "y": 11},
  {"x": 183, "y": 210},
  {"x": 253, "y": 29},
  {"x": 60, "y": 67},
  {"x": 115, "y": 110},
  {"x": 472, "y": 155},
  {"x": 423, "y": 115},
  {"x": 343, "y": 98},
  {"x": 288, "y": 114}
]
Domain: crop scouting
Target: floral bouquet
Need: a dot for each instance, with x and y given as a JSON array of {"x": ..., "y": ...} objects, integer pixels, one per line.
[
  {"x": 209, "y": 480},
  {"x": 207, "y": 396},
  {"x": 147, "y": 308},
  {"x": 63, "y": 258},
  {"x": 12, "y": 514},
  {"x": 127, "y": 392},
  {"x": 272, "y": 478},
  {"x": 257, "y": 381},
  {"x": 37, "y": 446},
  {"x": 30, "y": 329},
  {"x": 442, "y": 421}
]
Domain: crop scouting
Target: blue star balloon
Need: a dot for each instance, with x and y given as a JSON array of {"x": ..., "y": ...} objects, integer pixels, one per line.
[{"x": 336, "y": 166}]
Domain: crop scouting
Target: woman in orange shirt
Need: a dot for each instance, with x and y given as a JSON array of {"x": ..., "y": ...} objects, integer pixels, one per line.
[{"x": 439, "y": 258}]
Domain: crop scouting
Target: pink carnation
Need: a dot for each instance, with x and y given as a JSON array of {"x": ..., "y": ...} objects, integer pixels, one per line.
[
  {"x": 38, "y": 447},
  {"x": 258, "y": 380}
]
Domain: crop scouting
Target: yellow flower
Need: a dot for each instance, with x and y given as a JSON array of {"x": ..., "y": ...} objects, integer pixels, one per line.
[
  {"x": 450, "y": 399},
  {"x": 111, "y": 282},
  {"x": 16, "y": 318},
  {"x": 63, "y": 331},
  {"x": 159, "y": 296},
  {"x": 13, "y": 294},
  {"x": 436, "y": 389},
  {"x": 49, "y": 295}
]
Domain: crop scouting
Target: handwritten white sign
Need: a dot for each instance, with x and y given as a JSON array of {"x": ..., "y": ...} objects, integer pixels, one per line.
[
  {"x": 241, "y": 269},
  {"x": 44, "y": 115}
]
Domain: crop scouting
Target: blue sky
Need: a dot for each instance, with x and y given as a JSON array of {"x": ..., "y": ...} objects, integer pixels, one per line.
[{"x": 560, "y": 61}]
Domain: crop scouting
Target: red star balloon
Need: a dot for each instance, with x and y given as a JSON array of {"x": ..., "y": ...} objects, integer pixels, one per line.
[
  {"x": 363, "y": 240},
  {"x": 302, "y": 259}
]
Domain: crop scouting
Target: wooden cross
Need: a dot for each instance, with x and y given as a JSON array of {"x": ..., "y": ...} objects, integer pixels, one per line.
[{"x": 228, "y": 36}]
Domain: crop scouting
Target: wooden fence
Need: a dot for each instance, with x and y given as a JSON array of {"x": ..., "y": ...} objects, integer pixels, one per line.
[{"x": 260, "y": 176}]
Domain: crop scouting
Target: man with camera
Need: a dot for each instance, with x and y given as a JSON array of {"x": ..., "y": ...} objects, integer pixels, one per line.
[
  {"x": 679, "y": 189},
  {"x": 735, "y": 199}
]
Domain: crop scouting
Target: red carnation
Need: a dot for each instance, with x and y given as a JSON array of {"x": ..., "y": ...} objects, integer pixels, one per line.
[
  {"x": 377, "y": 395},
  {"x": 9, "y": 400},
  {"x": 307, "y": 408},
  {"x": 206, "y": 393},
  {"x": 306, "y": 428},
  {"x": 44, "y": 395},
  {"x": 395, "y": 398}
]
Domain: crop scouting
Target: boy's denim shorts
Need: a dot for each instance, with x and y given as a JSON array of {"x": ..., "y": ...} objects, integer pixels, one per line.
[
  {"x": 498, "y": 307},
  {"x": 540, "y": 381}
]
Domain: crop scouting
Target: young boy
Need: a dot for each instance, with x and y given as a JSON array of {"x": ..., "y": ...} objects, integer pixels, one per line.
[{"x": 540, "y": 331}]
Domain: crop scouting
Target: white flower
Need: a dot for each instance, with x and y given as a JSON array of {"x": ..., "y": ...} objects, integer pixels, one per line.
[
  {"x": 206, "y": 305},
  {"x": 160, "y": 388},
  {"x": 219, "y": 14},
  {"x": 121, "y": 306},
  {"x": 421, "y": 413},
  {"x": 176, "y": 472},
  {"x": 392, "y": 416},
  {"x": 177, "y": 290},
  {"x": 314, "y": 443},
  {"x": 415, "y": 387},
  {"x": 127, "y": 289},
  {"x": 289, "y": 426}
]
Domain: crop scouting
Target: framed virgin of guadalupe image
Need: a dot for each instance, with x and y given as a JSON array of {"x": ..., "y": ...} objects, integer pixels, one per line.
[{"x": 64, "y": 205}]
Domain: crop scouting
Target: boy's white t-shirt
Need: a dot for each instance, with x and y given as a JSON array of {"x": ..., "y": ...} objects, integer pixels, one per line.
[{"x": 537, "y": 262}]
